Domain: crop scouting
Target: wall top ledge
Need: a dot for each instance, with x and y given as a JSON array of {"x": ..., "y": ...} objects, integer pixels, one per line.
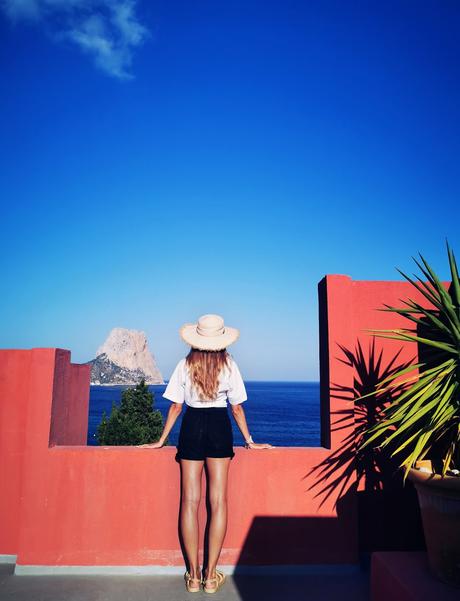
[{"x": 172, "y": 449}]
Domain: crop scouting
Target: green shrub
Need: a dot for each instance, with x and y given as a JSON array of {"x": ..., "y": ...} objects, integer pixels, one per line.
[{"x": 134, "y": 422}]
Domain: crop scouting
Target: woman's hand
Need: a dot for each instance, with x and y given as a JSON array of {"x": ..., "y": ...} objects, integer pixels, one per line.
[
  {"x": 259, "y": 445},
  {"x": 151, "y": 445}
]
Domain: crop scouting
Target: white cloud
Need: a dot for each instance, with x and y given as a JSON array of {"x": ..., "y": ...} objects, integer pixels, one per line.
[{"x": 107, "y": 30}]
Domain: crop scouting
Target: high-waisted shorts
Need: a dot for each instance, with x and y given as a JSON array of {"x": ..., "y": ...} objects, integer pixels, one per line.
[{"x": 205, "y": 432}]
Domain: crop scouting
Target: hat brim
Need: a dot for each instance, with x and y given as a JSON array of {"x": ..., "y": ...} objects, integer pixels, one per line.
[{"x": 189, "y": 335}]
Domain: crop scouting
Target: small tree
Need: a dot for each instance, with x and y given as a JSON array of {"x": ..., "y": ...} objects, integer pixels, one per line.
[{"x": 134, "y": 422}]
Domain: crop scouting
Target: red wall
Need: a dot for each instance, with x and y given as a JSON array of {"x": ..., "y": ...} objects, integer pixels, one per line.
[
  {"x": 68, "y": 504},
  {"x": 44, "y": 400}
]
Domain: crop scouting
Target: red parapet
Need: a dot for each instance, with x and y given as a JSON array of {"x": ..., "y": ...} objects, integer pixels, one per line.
[
  {"x": 44, "y": 401},
  {"x": 69, "y": 504}
]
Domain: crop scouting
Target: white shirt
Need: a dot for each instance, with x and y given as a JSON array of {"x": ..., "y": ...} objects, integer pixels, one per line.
[{"x": 231, "y": 387}]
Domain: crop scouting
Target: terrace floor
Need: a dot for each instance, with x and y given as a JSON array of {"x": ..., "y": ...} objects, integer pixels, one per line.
[{"x": 328, "y": 585}]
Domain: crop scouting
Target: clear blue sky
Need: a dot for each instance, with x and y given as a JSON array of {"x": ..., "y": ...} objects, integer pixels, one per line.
[{"x": 162, "y": 160}]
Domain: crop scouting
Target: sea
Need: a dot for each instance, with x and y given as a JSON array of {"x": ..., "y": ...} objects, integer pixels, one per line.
[{"x": 280, "y": 413}]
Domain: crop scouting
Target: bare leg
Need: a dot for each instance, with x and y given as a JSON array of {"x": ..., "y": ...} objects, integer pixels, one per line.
[
  {"x": 191, "y": 493},
  {"x": 218, "y": 477}
]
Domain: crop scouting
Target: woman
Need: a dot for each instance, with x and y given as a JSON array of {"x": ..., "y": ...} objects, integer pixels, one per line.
[{"x": 204, "y": 381}]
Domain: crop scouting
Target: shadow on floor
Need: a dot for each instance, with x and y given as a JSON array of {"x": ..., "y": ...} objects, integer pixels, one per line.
[{"x": 309, "y": 587}]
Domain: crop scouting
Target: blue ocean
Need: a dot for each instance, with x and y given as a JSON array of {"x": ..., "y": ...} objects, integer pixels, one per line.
[{"x": 281, "y": 413}]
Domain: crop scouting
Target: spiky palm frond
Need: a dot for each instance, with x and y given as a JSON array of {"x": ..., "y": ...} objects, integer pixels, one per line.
[{"x": 425, "y": 416}]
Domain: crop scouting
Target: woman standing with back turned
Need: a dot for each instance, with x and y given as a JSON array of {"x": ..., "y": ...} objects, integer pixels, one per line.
[{"x": 204, "y": 381}]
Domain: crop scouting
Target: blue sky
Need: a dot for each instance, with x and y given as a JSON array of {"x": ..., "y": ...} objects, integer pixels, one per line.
[{"x": 162, "y": 160}]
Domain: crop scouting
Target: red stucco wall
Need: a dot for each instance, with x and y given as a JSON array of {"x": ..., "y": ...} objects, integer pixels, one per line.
[{"x": 69, "y": 504}]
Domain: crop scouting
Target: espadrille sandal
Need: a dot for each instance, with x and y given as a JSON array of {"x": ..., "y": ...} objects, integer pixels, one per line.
[
  {"x": 189, "y": 583},
  {"x": 219, "y": 580}
]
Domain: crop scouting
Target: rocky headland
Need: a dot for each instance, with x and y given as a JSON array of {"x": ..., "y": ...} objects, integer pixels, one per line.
[{"x": 124, "y": 358}]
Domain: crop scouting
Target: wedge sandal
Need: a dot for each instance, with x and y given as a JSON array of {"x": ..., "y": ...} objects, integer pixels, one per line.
[
  {"x": 190, "y": 583},
  {"x": 219, "y": 580}
]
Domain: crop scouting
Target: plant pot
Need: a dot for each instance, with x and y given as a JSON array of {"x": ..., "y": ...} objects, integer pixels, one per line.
[{"x": 439, "y": 500}]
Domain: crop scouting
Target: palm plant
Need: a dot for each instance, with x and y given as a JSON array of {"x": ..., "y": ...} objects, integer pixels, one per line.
[{"x": 423, "y": 420}]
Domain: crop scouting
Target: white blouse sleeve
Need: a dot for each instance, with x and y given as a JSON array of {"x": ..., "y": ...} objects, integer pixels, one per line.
[
  {"x": 175, "y": 390},
  {"x": 236, "y": 392}
]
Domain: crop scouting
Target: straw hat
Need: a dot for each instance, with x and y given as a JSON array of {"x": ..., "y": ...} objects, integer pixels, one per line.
[{"x": 209, "y": 334}]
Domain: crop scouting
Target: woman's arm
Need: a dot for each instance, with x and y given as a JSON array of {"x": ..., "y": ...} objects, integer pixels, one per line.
[
  {"x": 175, "y": 410},
  {"x": 240, "y": 418}
]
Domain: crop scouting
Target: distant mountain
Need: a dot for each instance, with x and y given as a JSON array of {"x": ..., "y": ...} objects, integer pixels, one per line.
[{"x": 124, "y": 358}]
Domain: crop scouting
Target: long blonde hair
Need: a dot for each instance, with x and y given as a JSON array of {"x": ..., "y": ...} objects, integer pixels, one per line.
[{"x": 204, "y": 369}]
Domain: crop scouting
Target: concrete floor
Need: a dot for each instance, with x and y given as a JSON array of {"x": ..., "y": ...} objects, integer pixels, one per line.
[{"x": 310, "y": 587}]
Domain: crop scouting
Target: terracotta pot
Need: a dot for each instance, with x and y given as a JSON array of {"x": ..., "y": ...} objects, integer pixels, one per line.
[{"x": 439, "y": 500}]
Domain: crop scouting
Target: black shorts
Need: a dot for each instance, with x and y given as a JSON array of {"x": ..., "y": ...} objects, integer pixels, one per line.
[{"x": 205, "y": 432}]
